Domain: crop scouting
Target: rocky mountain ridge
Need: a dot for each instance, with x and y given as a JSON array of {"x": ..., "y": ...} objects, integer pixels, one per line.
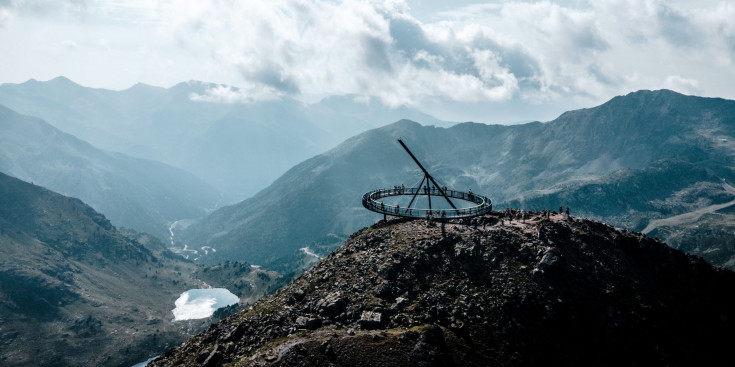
[
  {"x": 407, "y": 292},
  {"x": 641, "y": 157}
]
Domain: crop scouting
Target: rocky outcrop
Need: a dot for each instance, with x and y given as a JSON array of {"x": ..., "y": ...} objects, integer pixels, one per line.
[{"x": 402, "y": 293}]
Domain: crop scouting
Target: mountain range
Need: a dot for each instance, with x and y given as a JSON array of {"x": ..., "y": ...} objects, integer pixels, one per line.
[
  {"x": 656, "y": 162},
  {"x": 644, "y": 157},
  {"x": 235, "y": 146},
  {"x": 137, "y": 193}
]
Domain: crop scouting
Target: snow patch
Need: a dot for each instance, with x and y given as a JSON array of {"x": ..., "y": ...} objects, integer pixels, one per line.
[
  {"x": 143, "y": 364},
  {"x": 206, "y": 249},
  {"x": 308, "y": 252},
  {"x": 201, "y": 303}
]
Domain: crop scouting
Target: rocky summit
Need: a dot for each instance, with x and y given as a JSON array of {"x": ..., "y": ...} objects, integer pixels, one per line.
[{"x": 557, "y": 291}]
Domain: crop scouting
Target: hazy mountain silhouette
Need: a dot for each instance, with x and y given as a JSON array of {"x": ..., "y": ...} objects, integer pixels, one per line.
[
  {"x": 239, "y": 148},
  {"x": 137, "y": 193},
  {"x": 640, "y": 157}
]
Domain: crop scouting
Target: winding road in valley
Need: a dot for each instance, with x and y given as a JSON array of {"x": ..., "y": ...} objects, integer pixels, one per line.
[{"x": 691, "y": 216}]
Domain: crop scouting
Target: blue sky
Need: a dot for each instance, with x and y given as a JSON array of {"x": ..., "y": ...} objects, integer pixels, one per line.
[{"x": 496, "y": 62}]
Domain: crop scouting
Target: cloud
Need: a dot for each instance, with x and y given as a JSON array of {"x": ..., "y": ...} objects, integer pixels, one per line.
[
  {"x": 675, "y": 27},
  {"x": 70, "y": 45},
  {"x": 271, "y": 77},
  {"x": 230, "y": 95},
  {"x": 532, "y": 51},
  {"x": 4, "y": 16},
  {"x": 681, "y": 85},
  {"x": 349, "y": 47},
  {"x": 480, "y": 53},
  {"x": 43, "y": 7}
]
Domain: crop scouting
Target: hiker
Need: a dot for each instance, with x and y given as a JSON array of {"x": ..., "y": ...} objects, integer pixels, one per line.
[
  {"x": 567, "y": 212},
  {"x": 561, "y": 209},
  {"x": 539, "y": 229}
]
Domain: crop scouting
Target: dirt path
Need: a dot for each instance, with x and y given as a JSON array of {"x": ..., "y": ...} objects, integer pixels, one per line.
[{"x": 691, "y": 216}]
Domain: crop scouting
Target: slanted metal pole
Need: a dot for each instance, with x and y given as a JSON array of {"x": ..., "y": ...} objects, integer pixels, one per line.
[
  {"x": 428, "y": 191},
  {"x": 417, "y": 192},
  {"x": 427, "y": 175}
]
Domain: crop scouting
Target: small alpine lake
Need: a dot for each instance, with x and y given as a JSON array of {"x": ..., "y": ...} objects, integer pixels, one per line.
[{"x": 201, "y": 303}]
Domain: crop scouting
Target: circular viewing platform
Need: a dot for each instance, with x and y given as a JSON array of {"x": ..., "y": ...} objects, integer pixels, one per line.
[{"x": 481, "y": 205}]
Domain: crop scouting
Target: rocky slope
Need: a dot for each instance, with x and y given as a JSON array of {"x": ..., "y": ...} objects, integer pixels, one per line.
[
  {"x": 402, "y": 293},
  {"x": 240, "y": 278},
  {"x": 641, "y": 157},
  {"x": 75, "y": 291}
]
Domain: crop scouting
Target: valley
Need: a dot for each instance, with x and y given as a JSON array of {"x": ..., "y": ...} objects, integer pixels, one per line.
[
  {"x": 69, "y": 279},
  {"x": 690, "y": 217}
]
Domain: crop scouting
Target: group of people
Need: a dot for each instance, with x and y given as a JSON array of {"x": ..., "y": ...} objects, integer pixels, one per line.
[
  {"x": 547, "y": 213},
  {"x": 399, "y": 189},
  {"x": 511, "y": 214}
]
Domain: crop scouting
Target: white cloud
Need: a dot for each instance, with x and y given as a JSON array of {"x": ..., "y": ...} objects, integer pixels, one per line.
[
  {"x": 681, "y": 85},
  {"x": 70, "y": 44},
  {"x": 533, "y": 51},
  {"x": 4, "y": 16},
  {"x": 348, "y": 47},
  {"x": 46, "y": 8},
  {"x": 230, "y": 95}
]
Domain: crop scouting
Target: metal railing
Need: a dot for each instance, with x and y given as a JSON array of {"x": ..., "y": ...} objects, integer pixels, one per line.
[{"x": 370, "y": 202}]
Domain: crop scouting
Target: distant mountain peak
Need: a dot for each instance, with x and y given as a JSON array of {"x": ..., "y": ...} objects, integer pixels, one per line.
[
  {"x": 140, "y": 86},
  {"x": 406, "y": 122},
  {"x": 62, "y": 79}
]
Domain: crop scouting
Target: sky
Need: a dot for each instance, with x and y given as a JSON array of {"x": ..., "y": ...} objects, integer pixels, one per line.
[{"x": 493, "y": 62}]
